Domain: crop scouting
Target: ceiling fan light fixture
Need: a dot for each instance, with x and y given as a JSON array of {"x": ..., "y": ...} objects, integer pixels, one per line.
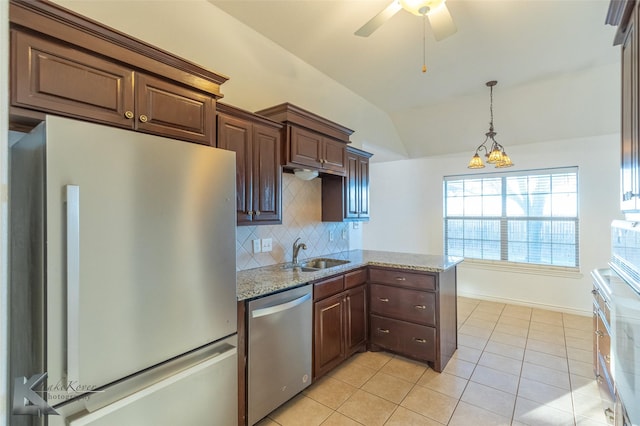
[
  {"x": 495, "y": 155},
  {"x": 420, "y": 7}
]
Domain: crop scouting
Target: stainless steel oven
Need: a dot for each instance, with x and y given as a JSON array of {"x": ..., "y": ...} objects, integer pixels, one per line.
[{"x": 625, "y": 262}]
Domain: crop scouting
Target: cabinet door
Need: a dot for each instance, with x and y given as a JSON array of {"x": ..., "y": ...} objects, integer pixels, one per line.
[
  {"x": 352, "y": 190},
  {"x": 334, "y": 156},
  {"x": 305, "y": 148},
  {"x": 629, "y": 129},
  {"x": 267, "y": 202},
  {"x": 235, "y": 135},
  {"x": 363, "y": 185},
  {"x": 174, "y": 111},
  {"x": 356, "y": 323},
  {"x": 328, "y": 339},
  {"x": 55, "y": 78}
]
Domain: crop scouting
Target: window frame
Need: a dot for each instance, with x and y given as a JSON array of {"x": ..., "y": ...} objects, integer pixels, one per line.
[{"x": 504, "y": 219}]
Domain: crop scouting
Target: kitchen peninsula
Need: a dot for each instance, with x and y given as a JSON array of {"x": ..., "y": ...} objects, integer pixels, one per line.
[{"x": 398, "y": 302}]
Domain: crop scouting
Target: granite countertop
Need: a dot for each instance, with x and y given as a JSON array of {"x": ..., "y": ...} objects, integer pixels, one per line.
[{"x": 268, "y": 279}]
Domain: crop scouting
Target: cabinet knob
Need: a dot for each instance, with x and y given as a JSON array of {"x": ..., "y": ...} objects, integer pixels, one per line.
[
  {"x": 128, "y": 114},
  {"x": 257, "y": 212},
  {"x": 383, "y": 330},
  {"x": 322, "y": 161},
  {"x": 144, "y": 118},
  {"x": 608, "y": 359},
  {"x": 599, "y": 333},
  {"x": 383, "y": 299},
  {"x": 594, "y": 291},
  {"x": 598, "y": 378},
  {"x": 420, "y": 340},
  {"x": 250, "y": 212},
  {"x": 420, "y": 307}
]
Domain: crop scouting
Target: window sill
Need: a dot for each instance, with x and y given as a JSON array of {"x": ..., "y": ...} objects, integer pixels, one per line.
[{"x": 520, "y": 268}]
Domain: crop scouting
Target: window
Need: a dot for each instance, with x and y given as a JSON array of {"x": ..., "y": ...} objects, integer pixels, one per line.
[{"x": 524, "y": 217}]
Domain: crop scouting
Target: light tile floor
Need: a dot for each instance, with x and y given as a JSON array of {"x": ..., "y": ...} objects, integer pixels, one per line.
[{"x": 514, "y": 366}]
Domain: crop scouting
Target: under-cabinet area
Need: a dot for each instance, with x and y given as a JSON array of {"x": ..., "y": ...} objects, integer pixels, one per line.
[{"x": 377, "y": 301}]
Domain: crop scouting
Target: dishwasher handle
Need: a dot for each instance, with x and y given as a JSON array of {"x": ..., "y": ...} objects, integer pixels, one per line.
[{"x": 270, "y": 310}]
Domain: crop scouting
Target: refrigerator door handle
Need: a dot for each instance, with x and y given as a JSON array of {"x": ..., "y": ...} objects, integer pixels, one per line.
[
  {"x": 73, "y": 281},
  {"x": 270, "y": 310}
]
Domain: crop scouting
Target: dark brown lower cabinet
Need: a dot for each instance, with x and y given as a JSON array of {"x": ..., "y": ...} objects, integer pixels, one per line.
[
  {"x": 414, "y": 314},
  {"x": 340, "y": 320}
]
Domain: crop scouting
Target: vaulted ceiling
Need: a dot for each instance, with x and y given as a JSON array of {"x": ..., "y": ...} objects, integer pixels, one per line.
[{"x": 536, "y": 49}]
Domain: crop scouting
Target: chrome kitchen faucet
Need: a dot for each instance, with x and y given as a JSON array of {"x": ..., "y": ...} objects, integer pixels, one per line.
[{"x": 296, "y": 249}]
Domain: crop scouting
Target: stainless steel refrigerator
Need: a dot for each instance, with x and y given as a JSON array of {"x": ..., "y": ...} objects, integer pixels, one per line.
[{"x": 123, "y": 278}]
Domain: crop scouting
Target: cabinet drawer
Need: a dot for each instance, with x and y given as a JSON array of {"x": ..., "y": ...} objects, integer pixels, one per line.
[
  {"x": 355, "y": 278},
  {"x": 328, "y": 287},
  {"x": 409, "y": 305},
  {"x": 412, "y": 340},
  {"x": 403, "y": 278}
]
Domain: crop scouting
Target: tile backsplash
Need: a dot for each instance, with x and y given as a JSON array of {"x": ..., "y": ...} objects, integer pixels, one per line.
[{"x": 301, "y": 217}]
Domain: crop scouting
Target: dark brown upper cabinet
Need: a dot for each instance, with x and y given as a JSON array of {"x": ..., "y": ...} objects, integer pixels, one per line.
[
  {"x": 347, "y": 198},
  {"x": 310, "y": 141},
  {"x": 256, "y": 142},
  {"x": 109, "y": 77},
  {"x": 625, "y": 15}
]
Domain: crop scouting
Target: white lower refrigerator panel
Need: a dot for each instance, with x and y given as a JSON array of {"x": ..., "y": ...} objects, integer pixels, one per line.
[{"x": 203, "y": 394}]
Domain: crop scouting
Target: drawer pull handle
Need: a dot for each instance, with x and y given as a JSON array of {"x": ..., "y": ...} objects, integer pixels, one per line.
[
  {"x": 383, "y": 299},
  {"x": 420, "y": 307},
  {"x": 383, "y": 330},
  {"x": 401, "y": 279},
  {"x": 420, "y": 340}
]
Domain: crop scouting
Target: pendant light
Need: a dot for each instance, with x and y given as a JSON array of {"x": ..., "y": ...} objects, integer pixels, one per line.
[{"x": 495, "y": 154}]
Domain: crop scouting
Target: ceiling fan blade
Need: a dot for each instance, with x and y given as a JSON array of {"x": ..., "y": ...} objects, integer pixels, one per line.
[
  {"x": 442, "y": 23},
  {"x": 376, "y": 22}
]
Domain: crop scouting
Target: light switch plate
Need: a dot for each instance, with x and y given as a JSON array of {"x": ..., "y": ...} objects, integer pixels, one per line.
[
  {"x": 330, "y": 235},
  {"x": 267, "y": 245},
  {"x": 344, "y": 233},
  {"x": 256, "y": 246}
]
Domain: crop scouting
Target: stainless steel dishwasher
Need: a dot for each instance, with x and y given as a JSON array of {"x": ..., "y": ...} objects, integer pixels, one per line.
[{"x": 280, "y": 344}]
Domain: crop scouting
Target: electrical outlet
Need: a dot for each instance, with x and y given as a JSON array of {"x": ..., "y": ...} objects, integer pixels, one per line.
[
  {"x": 330, "y": 235},
  {"x": 344, "y": 233},
  {"x": 256, "y": 246},
  {"x": 266, "y": 245}
]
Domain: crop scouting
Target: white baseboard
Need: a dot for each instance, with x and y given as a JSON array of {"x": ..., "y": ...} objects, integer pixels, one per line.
[{"x": 585, "y": 313}]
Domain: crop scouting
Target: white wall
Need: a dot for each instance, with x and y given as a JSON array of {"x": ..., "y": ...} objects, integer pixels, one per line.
[
  {"x": 407, "y": 207},
  {"x": 262, "y": 74}
]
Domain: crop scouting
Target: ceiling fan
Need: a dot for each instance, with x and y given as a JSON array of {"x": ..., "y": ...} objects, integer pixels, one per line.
[{"x": 436, "y": 10}]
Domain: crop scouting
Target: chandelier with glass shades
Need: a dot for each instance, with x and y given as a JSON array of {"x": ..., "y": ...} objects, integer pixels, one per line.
[{"x": 495, "y": 154}]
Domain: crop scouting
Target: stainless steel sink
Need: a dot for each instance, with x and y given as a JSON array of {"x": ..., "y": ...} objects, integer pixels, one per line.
[
  {"x": 316, "y": 264},
  {"x": 323, "y": 263}
]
